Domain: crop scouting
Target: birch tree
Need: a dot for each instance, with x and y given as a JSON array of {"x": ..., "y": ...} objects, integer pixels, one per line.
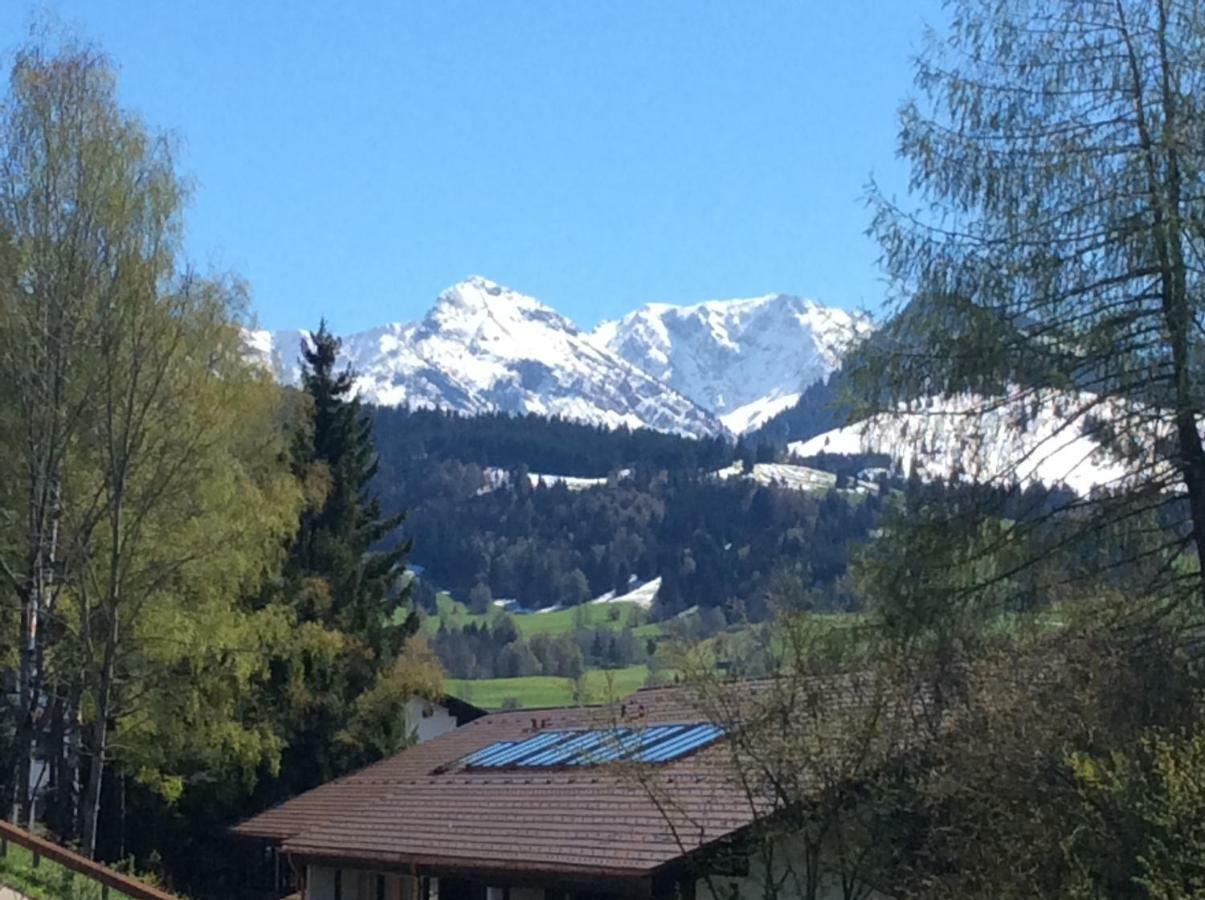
[
  {"x": 188, "y": 505},
  {"x": 148, "y": 490},
  {"x": 57, "y": 218}
]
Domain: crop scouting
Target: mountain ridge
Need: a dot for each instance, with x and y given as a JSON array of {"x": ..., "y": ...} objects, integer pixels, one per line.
[
  {"x": 743, "y": 359},
  {"x": 483, "y": 347}
]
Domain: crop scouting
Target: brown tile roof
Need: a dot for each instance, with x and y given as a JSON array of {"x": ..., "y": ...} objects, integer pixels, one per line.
[{"x": 595, "y": 820}]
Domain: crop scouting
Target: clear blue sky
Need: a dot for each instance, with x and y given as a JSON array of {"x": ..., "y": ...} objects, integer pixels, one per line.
[{"x": 353, "y": 159}]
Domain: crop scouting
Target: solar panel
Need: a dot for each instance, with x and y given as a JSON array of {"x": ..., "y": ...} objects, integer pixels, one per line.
[
  {"x": 570, "y": 753},
  {"x": 654, "y": 744},
  {"x": 479, "y": 756},
  {"x": 516, "y": 752},
  {"x": 687, "y": 742},
  {"x": 628, "y": 747}
]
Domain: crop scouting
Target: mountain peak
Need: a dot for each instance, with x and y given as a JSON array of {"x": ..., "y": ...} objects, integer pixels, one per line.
[
  {"x": 476, "y": 285},
  {"x": 486, "y": 347},
  {"x": 476, "y": 294},
  {"x": 472, "y": 292},
  {"x": 743, "y": 359},
  {"x": 486, "y": 315}
]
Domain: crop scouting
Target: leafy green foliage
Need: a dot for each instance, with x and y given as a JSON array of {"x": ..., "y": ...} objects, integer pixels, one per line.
[
  {"x": 137, "y": 450},
  {"x": 1049, "y": 251},
  {"x": 48, "y": 880},
  {"x": 1151, "y": 799}
]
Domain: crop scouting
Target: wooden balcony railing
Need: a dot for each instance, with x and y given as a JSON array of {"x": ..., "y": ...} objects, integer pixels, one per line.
[{"x": 107, "y": 878}]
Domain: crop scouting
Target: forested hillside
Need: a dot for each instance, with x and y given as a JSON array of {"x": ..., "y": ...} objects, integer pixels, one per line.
[{"x": 656, "y": 511}]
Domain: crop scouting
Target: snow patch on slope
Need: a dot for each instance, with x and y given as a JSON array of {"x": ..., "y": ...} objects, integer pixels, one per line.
[
  {"x": 642, "y": 595},
  {"x": 753, "y": 415},
  {"x": 1017, "y": 439},
  {"x": 494, "y": 478},
  {"x": 784, "y": 475}
]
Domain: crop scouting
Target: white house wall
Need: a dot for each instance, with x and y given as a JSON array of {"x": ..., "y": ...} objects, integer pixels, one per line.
[{"x": 426, "y": 719}]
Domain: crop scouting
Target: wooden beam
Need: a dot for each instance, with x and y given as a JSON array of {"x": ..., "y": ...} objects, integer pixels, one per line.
[{"x": 68, "y": 859}]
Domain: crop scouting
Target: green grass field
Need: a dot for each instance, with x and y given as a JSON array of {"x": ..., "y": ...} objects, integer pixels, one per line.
[
  {"x": 562, "y": 621},
  {"x": 49, "y": 881},
  {"x": 530, "y": 692},
  {"x": 598, "y": 686}
]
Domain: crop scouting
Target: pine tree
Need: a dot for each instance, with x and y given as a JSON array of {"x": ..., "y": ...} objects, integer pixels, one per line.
[
  {"x": 341, "y": 538},
  {"x": 346, "y": 582}
]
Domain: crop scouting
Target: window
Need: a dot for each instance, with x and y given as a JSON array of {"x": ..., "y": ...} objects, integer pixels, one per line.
[
  {"x": 338, "y": 884},
  {"x": 381, "y": 888}
]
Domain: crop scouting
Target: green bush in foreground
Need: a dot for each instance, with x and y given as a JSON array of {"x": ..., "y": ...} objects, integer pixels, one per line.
[{"x": 48, "y": 881}]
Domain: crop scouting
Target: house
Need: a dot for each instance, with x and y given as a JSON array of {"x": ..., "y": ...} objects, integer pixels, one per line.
[
  {"x": 634, "y": 799},
  {"x": 427, "y": 718}
]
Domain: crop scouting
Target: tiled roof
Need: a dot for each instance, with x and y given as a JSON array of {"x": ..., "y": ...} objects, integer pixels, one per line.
[{"x": 601, "y": 820}]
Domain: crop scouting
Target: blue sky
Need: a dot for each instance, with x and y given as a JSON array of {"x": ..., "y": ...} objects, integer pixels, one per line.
[{"x": 353, "y": 159}]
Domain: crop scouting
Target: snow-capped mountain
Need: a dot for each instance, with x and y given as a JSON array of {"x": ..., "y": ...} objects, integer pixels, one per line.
[
  {"x": 486, "y": 348},
  {"x": 744, "y": 360},
  {"x": 1022, "y": 437}
]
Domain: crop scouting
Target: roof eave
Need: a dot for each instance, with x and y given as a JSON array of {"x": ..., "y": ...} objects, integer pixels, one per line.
[{"x": 637, "y": 879}]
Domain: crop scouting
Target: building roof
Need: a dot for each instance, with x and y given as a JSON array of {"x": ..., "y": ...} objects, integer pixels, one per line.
[
  {"x": 424, "y": 808},
  {"x": 462, "y": 710}
]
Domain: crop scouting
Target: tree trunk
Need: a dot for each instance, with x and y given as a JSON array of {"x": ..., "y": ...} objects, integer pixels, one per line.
[
  {"x": 62, "y": 750},
  {"x": 72, "y": 765},
  {"x": 90, "y": 806},
  {"x": 23, "y": 740},
  {"x": 1165, "y": 187},
  {"x": 43, "y": 539}
]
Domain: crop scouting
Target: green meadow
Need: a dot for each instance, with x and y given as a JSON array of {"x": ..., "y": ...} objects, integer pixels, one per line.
[{"x": 537, "y": 691}]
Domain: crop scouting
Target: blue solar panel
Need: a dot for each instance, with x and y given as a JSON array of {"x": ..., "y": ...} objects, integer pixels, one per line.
[
  {"x": 679, "y": 745},
  {"x": 625, "y": 748},
  {"x": 654, "y": 744},
  {"x": 569, "y": 754},
  {"x": 478, "y": 756},
  {"x": 518, "y": 751}
]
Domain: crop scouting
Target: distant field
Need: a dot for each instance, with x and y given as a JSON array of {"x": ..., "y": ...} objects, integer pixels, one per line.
[
  {"x": 562, "y": 621},
  {"x": 599, "y": 685}
]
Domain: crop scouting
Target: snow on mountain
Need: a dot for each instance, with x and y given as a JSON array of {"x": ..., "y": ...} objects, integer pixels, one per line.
[
  {"x": 744, "y": 360},
  {"x": 485, "y": 348},
  {"x": 790, "y": 477},
  {"x": 642, "y": 594},
  {"x": 753, "y": 415},
  {"x": 1019, "y": 438},
  {"x": 495, "y": 478},
  {"x": 278, "y": 351}
]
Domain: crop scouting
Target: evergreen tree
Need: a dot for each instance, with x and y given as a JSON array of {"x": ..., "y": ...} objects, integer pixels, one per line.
[
  {"x": 343, "y": 585},
  {"x": 339, "y": 538}
]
